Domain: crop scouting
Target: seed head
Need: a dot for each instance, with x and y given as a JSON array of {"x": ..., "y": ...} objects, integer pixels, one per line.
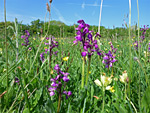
[
  {"x": 47, "y": 7},
  {"x": 50, "y": 1}
]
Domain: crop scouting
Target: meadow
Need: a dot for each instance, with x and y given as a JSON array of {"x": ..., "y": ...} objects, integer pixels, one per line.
[{"x": 87, "y": 72}]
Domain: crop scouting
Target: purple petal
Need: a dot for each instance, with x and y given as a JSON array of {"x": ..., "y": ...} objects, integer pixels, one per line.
[{"x": 83, "y": 53}]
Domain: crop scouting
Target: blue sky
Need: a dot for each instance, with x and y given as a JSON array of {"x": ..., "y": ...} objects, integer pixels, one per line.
[{"x": 69, "y": 11}]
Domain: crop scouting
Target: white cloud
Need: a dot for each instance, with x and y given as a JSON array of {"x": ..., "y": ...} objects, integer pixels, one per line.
[
  {"x": 93, "y": 5},
  {"x": 61, "y": 18},
  {"x": 83, "y": 5}
]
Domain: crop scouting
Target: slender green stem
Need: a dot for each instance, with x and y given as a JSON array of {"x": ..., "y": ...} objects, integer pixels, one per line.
[
  {"x": 103, "y": 106},
  {"x": 138, "y": 28},
  {"x": 125, "y": 92},
  {"x": 130, "y": 54},
  {"x": 6, "y": 49},
  {"x": 139, "y": 93},
  {"x": 89, "y": 62},
  {"x": 59, "y": 102},
  {"x": 83, "y": 64}
]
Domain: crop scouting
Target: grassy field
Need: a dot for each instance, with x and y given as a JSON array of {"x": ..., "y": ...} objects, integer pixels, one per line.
[{"x": 81, "y": 74}]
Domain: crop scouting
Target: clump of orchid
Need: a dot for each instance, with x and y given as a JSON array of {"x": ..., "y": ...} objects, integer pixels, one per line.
[
  {"x": 52, "y": 44},
  {"x": 142, "y": 37},
  {"x": 109, "y": 58},
  {"x": 26, "y": 38},
  {"x": 89, "y": 45},
  {"x": 59, "y": 84},
  {"x": 26, "y": 41}
]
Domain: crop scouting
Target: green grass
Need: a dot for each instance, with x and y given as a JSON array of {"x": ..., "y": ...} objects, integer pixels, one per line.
[{"x": 35, "y": 76}]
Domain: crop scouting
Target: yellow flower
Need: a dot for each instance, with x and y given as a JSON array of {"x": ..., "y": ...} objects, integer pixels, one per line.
[
  {"x": 111, "y": 89},
  {"x": 117, "y": 45},
  {"x": 52, "y": 71},
  {"x": 42, "y": 38},
  {"x": 146, "y": 53},
  {"x": 89, "y": 72},
  {"x": 1, "y": 50},
  {"x": 45, "y": 47},
  {"x": 34, "y": 38},
  {"x": 106, "y": 49},
  {"x": 133, "y": 37},
  {"x": 65, "y": 58},
  {"x": 124, "y": 77},
  {"x": 85, "y": 58}
]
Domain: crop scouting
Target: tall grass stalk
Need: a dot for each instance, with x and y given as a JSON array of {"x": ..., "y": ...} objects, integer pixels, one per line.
[
  {"x": 103, "y": 105},
  {"x": 24, "y": 92},
  {"x": 139, "y": 93},
  {"x": 130, "y": 54},
  {"x": 6, "y": 49},
  {"x": 100, "y": 16}
]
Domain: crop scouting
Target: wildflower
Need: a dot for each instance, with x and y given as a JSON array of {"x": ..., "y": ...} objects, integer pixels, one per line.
[
  {"x": 17, "y": 80},
  {"x": 85, "y": 58},
  {"x": 29, "y": 48},
  {"x": 109, "y": 58},
  {"x": 59, "y": 82},
  {"x": 65, "y": 58},
  {"x": 84, "y": 35},
  {"x": 52, "y": 44},
  {"x": 1, "y": 50},
  {"x": 97, "y": 82},
  {"x": 26, "y": 38},
  {"x": 105, "y": 81},
  {"x": 111, "y": 89},
  {"x": 146, "y": 53},
  {"x": 124, "y": 77},
  {"x": 42, "y": 57}
]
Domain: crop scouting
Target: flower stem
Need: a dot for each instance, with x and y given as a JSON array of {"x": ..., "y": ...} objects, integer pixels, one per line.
[
  {"x": 103, "y": 106},
  {"x": 59, "y": 101},
  {"x": 82, "y": 83},
  {"x": 89, "y": 61},
  {"x": 130, "y": 53},
  {"x": 125, "y": 92}
]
